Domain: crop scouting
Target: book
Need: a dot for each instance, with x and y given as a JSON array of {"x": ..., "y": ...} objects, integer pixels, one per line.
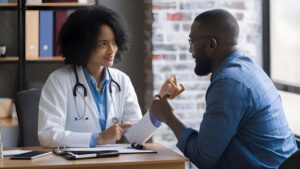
[
  {"x": 32, "y": 34},
  {"x": 46, "y": 33},
  {"x": 60, "y": 18}
]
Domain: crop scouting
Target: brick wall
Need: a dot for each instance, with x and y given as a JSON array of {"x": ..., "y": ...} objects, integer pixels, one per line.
[{"x": 168, "y": 50}]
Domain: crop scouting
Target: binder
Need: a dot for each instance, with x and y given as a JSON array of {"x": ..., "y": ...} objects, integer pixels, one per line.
[
  {"x": 46, "y": 34},
  {"x": 60, "y": 18},
  {"x": 32, "y": 34}
]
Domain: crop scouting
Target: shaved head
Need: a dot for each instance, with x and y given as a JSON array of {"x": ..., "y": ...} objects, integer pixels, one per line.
[
  {"x": 214, "y": 35},
  {"x": 220, "y": 24}
]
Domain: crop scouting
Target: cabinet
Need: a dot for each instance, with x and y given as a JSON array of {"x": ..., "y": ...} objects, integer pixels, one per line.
[{"x": 24, "y": 66}]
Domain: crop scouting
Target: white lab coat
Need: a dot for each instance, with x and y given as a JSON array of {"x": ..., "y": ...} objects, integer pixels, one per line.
[{"x": 57, "y": 110}]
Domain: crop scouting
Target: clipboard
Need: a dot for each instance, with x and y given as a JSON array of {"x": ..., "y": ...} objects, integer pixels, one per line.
[
  {"x": 121, "y": 148},
  {"x": 76, "y": 155}
]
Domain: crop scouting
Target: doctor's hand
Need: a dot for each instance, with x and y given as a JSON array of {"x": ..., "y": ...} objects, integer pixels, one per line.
[
  {"x": 161, "y": 109},
  {"x": 171, "y": 88},
  {"x": 113, "y": 133}
]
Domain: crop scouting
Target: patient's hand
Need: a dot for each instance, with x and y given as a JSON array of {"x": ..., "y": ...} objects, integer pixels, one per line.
[{"x": 171, "y": 88}]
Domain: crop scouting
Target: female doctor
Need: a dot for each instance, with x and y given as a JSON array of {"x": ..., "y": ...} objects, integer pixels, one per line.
[{"x": 87, "y": 102}]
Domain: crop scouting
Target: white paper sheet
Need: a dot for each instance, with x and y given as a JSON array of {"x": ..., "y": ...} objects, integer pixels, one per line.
[
  {"x": 14, "y": 152},
  {"x": 122, "y": 148}
]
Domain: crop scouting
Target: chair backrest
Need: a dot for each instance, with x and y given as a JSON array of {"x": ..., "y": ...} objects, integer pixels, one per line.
[
  {"x": 27, "y": 104},
  {"x": 293, "y": 162}
]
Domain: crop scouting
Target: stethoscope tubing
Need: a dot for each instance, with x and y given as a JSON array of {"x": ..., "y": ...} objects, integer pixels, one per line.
[{"x": 78, "y": 85}]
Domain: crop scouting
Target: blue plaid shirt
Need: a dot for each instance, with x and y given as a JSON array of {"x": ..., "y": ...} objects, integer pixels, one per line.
[{"x": 244, "y": 124}]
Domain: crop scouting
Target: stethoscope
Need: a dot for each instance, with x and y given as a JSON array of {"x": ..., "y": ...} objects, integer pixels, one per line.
[{"x": 78, "y": 85}]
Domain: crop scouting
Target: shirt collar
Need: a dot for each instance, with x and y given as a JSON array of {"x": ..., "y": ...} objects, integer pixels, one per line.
[
  {"x": 91, "y": 79},
  {"x": 228, "y": 59}
]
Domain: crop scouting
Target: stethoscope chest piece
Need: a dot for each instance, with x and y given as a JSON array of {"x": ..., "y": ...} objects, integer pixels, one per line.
[{"x": 115, "y": 120}]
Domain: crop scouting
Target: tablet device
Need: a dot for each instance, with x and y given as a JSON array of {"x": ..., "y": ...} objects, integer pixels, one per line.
[{"x": 30, "y": 155}]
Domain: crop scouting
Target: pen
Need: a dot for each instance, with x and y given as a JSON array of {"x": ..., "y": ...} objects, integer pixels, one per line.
[{"x": 138, "y": 146}]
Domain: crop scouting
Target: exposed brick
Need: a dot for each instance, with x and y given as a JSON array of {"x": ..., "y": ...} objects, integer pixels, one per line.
[
  {"x": 191, "y": 5},
  {"x": 158, "y": 38},
  {"x": 179, "y": 16},
  {"x": 236, "y": 4},
  {"x": 239, "y": 16},
  {"x": 186, "y": 27},
  {"x": 163, "y": 5},
  {"x": 164, "y": 47}
]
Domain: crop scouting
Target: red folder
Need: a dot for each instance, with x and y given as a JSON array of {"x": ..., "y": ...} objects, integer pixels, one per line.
[{"x": 60, "y": 18}]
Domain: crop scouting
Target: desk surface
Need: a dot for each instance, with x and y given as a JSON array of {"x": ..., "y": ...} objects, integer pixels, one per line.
[{"x": 163, "y": 159}]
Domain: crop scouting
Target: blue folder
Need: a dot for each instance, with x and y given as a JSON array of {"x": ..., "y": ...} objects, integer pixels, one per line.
[{"x": 46, "y": 34}]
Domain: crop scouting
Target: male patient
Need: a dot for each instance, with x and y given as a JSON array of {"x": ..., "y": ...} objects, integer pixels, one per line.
[{"x": 244, "y": 124}]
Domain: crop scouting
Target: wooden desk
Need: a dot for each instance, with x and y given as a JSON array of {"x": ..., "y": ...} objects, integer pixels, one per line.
[{"x": 164, "y": 159}]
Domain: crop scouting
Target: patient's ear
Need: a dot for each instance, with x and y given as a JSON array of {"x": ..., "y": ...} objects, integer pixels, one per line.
[{"x": 213, "y": 42}]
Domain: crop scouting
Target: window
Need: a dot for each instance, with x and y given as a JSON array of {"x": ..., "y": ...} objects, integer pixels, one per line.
[{"x": 284, "y": 55}]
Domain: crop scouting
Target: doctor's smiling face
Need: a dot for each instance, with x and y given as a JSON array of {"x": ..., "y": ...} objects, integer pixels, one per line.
[{"x": 105, "y": 48}]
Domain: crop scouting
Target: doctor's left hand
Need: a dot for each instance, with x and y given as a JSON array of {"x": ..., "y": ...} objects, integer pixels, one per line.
[{"x": 113, "y": 133}]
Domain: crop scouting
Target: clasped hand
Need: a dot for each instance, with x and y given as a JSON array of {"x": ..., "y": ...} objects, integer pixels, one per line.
[{"x": 113, "y": 133}]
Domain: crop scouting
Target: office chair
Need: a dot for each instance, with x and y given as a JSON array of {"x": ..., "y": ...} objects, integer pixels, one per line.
[
  {"x": 27, "y": 104},
  {"x": 293, "y": 162}
]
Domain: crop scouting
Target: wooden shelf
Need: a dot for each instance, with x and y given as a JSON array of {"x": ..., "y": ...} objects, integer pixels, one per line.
[
  {"x": 9, "y": 59},
  {"x": 63, "y": 5},
  {"x": 40, "y": 59},
  {"x": 46, "y": 59},
  {"x": 8, "y": 6}
]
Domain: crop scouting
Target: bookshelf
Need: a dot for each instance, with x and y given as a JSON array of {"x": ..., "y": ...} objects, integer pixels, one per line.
[
  {"x": 9, "y": 59},
  {"x": 8, "y": 6},
  {"x": 21, "y": 7}
]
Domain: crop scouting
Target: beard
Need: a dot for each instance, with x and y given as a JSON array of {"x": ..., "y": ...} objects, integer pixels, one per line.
[{"x": 203, "y": 67}]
